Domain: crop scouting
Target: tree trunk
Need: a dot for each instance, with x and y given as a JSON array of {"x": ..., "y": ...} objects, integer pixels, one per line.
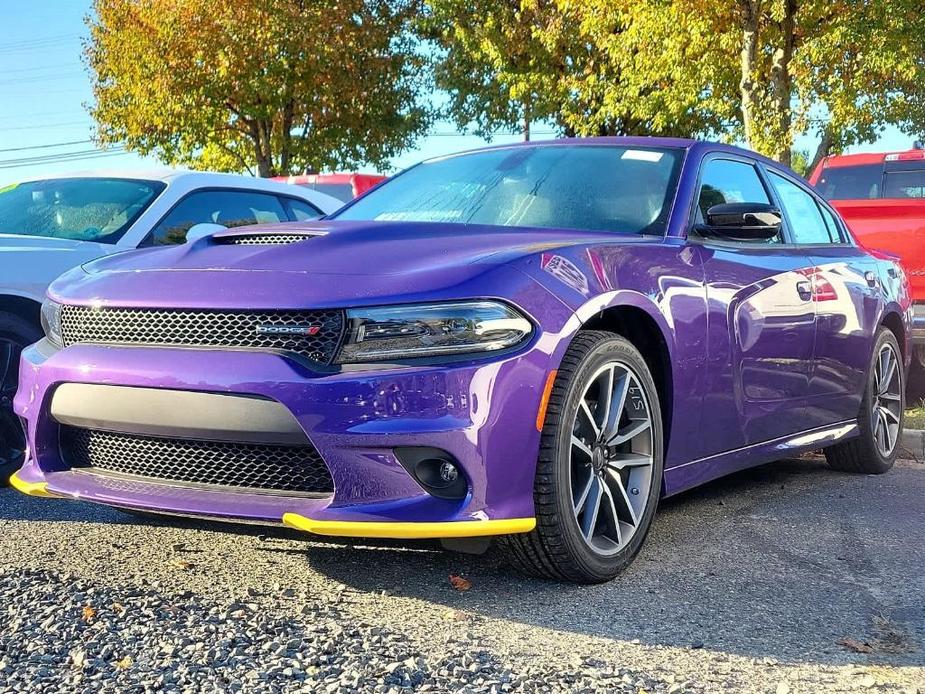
[
  {"x": 823, "y": 150},
  {"x": 262, "y": 156},
  {"x": 748, "y": 58},
  {"x": 526, "y": 121},
  {"x": 782, "y": 85}
]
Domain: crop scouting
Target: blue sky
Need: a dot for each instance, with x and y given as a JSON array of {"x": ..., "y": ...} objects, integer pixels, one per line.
[{"x": 44, "y": 89}]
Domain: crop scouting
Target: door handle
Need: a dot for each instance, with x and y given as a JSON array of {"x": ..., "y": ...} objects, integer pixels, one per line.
[
  {"x": 871, "y": 278},
  {"x": 805, "y": 289}
]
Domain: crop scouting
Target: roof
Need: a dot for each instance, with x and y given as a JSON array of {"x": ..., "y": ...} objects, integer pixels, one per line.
[{"x": 839, "y": 160}]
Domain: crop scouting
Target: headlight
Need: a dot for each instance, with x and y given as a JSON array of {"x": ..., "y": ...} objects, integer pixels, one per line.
[
  {"x": 51, "y": 322},
  {"x": 430, "y": 330}
]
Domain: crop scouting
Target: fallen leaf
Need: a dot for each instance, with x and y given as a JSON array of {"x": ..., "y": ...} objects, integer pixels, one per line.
[
  {"x": 182, "y": 564},
  {"x": 125, "y": 663},
  {"x": 89, "y": 614},
  {"x": 118, "y": 607},
  {"x": 459, "y": 583},
  {"x": 855, "y": 645}
]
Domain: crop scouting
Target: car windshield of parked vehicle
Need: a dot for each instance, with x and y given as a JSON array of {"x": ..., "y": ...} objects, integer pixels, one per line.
[
  {"x": 80, "y": 209},
  {"x": 851, "y": 182},
  {"x": 595, "y": 187}
]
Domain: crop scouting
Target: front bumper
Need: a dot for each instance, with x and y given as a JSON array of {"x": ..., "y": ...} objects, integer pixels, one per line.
[{"x": 482, "y": 413}]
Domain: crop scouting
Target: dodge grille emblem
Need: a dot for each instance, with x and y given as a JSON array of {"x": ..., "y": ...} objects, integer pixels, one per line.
[{"x": 306, "y": 330}]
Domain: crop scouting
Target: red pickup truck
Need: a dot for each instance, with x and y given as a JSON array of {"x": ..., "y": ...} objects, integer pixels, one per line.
[
  {"x": 881, "y": 197},
  {"x": 343, "y": 186}
]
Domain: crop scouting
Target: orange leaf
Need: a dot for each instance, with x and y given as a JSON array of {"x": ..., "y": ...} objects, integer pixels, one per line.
[
  {"x": 89, "y": 614},
  {"x": 459, "y": 583}
]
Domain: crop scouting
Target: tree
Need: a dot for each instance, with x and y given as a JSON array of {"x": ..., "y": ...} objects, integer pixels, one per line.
[
  {"x": 839, "y": 69},
  {"x": 507, "y": 63},
  {"x": 272, "y": 85}
]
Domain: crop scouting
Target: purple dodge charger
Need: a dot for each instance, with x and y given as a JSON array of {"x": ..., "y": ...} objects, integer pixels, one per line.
[{"x": 535, "y": 341}]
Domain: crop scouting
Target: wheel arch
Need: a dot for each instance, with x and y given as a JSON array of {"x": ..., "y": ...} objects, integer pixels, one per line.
[
  {"x": 25, "y": 307},
  {"x": 648, "y": 335},
  {"x": 893, "y": 322}
]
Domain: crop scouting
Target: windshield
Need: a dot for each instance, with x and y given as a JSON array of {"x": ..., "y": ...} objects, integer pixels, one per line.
[
  {"x": 602, "y": 188},
  {"x": 851, "y": 182},
  {"x": 81, "y": 209}
]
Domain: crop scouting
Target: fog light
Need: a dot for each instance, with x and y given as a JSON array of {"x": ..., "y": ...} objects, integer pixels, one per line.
[
  {"x": 435, "y": 470},
  {"x": 448, "y": 471}
]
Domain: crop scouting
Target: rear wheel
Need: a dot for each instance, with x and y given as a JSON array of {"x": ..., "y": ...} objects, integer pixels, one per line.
[
  {"x": 881, "y": 416},
  {"x": 15, "y": 334},
  {"x": 599, "y": 471}
]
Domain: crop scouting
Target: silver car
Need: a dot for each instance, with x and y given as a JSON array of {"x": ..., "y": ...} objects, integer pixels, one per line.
[{"x": 50, "y": 225}]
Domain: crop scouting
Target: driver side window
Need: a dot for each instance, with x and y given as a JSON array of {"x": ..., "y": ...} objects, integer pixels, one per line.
[{"x": 725, "y": 181}]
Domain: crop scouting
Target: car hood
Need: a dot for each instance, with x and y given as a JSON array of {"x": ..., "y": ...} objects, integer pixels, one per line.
[
  {"x": 19, "y": 242},
  {"x": 334, "y": 264}
]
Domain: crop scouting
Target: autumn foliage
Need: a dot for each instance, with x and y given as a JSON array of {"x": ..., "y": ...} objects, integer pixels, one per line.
[{"x": 272, "y": 86}]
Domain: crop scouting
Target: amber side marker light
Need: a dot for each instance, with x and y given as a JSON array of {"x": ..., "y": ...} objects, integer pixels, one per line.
[{"x": 544, "y": 402}]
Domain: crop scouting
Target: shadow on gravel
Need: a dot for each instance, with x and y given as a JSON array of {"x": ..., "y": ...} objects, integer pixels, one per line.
[{"x": 782, "y": 561}]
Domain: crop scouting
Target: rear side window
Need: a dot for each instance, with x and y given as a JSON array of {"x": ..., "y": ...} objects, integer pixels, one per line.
[
  {"x": 904, "y": 184},
  {"x": 230, "y": 208},
  {"x": 851, "y": 182},
  {"x": 804, "y": 215},
  {"x": 301, "y": 211},
  {"x": 341, "y": 191},
  {"x": 832, "y": 225}
]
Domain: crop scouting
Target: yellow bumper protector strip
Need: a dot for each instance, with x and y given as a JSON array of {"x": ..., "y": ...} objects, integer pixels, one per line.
[
  {"x": 31, "y": 488},
  {"x": 417, "y": 531}
]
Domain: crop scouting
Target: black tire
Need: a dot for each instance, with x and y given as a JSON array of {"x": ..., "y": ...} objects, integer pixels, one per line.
[
  {"x": 15, "y": 334},
  {"x": 556, "y": 548},
  {"x": 862, "y": 454}
]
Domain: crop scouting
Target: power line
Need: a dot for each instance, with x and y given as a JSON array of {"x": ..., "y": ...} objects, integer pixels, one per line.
[
  {"x": 46, "y": 125},
  {"x": 42, "y": 78},
  {"x": 57, "y": 159},
  {"x": 48, "y": 146}
]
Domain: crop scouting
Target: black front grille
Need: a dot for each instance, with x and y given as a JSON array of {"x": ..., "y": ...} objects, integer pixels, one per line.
[
  {"x": 293, "y": 469},
  {"x": 314, "y": 335}
]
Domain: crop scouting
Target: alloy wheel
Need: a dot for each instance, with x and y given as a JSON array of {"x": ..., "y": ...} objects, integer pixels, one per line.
[
  {"x": 887, "y": 400},
  {"x": 12, "y": 440},
  {"x": 611, "y": 460}
]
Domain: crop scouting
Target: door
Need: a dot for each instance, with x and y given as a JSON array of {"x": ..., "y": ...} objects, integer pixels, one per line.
[
  {"x": 761, "y": 320},
  {"x": 848, "y": 303}
]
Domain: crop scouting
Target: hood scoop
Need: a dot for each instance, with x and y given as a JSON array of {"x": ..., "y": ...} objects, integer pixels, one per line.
[{"x": 244, "y": 237}]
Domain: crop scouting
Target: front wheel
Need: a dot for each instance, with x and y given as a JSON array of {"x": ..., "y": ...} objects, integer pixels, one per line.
[
  {"x": 599, "y": 471},
  {"x": 881, "y": 416}
]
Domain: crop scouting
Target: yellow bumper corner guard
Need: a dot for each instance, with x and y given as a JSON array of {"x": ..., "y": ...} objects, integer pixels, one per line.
[
  {"x": 410, "y": 531},
  {"x": 31, "y": 488}
]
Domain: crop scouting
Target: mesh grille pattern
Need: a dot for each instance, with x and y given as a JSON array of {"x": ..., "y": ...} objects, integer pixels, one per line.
[
  {"x": 242, "y": 465},
  {"x": 191, "y": 328},
  {"x": 262, "y": 239}
]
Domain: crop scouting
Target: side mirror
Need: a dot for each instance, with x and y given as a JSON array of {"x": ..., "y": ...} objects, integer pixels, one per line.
[
  {"x": 200, "y": 231},
  {"x": 742, "y": 221}
]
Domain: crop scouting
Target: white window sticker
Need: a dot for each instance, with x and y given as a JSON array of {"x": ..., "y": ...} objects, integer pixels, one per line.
[{"x": 642, "y": 155}]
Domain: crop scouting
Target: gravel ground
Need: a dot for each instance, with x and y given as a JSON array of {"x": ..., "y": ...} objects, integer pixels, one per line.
[{"x": 787, "y": 578}]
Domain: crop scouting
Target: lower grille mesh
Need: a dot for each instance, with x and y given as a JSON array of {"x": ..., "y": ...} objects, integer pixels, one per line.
[{"x": 242, "y": 465}]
